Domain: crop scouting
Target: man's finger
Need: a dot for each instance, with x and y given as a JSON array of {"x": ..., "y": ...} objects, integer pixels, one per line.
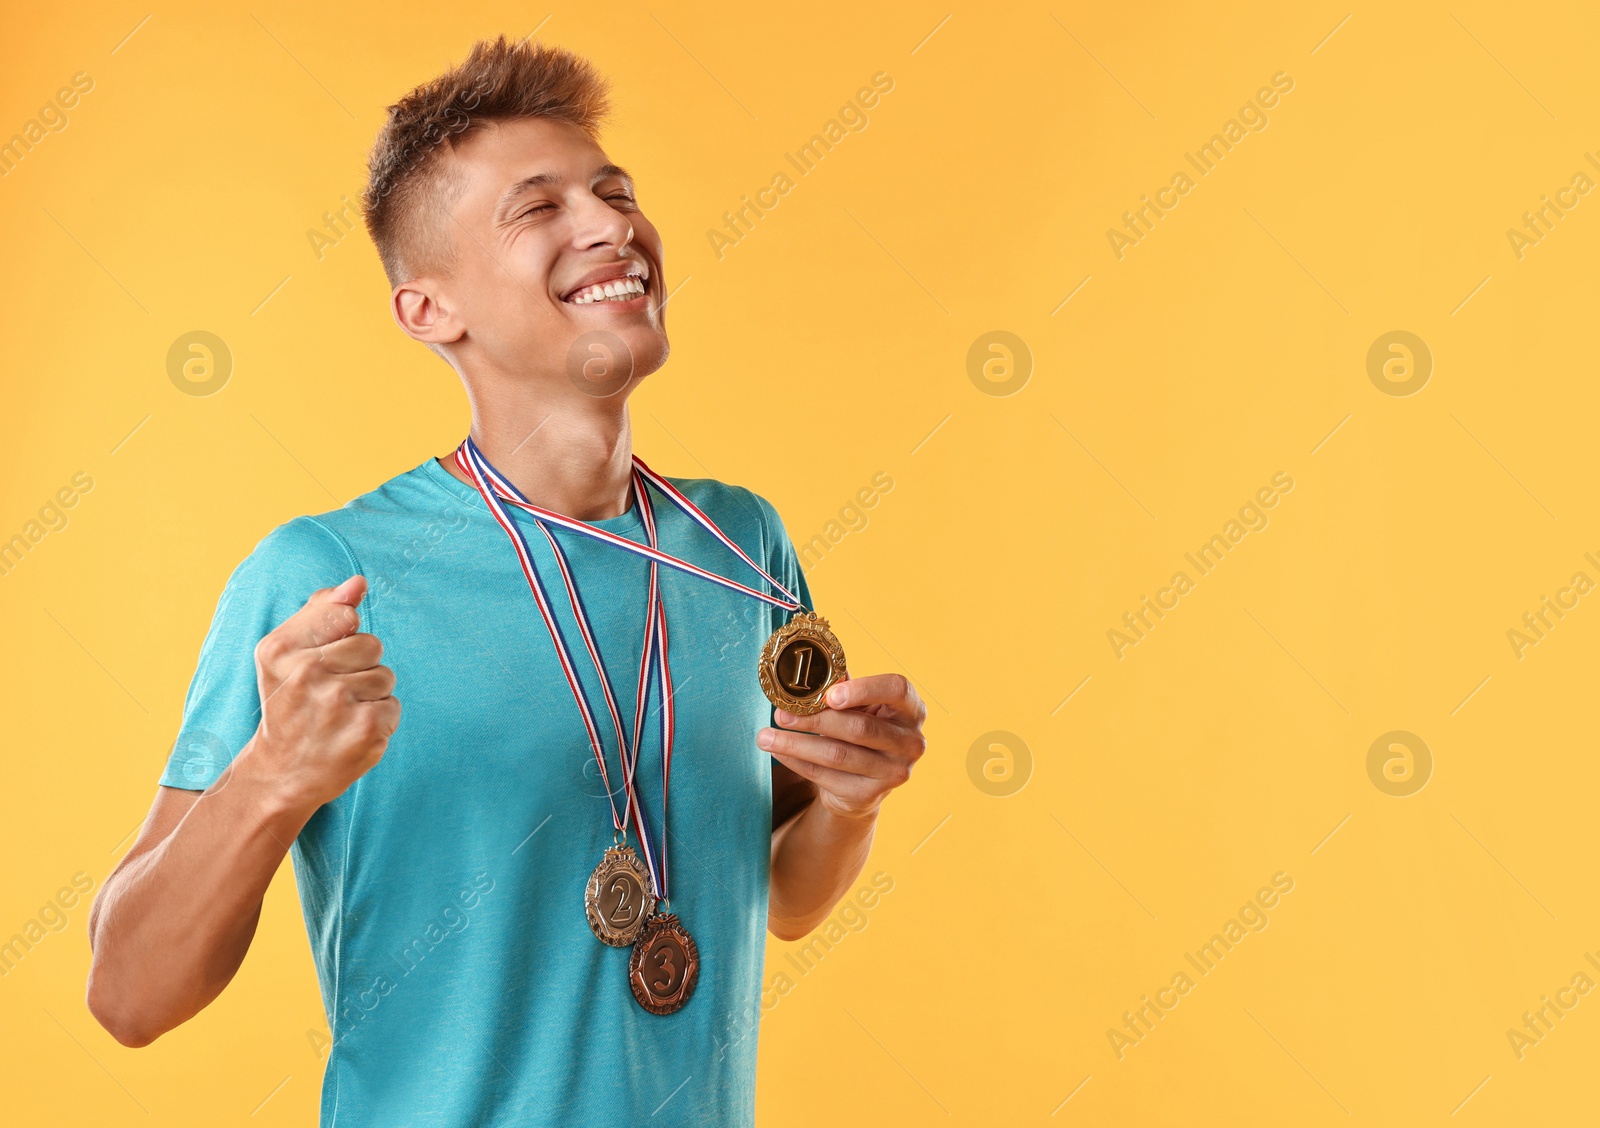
[
  {"x": 351, "y": 654},
  {"x": 350, "y": 592},
  {"x": 856, "y": 727},
  {"x": 893, "y": 690},
  {"x": 370, "y": 685},
  {"x": 385, "y": 714},
  {"x": 329, "y": 615},
  {"x": 843, "y": 785},
  {"x": 837, "y": 755}
]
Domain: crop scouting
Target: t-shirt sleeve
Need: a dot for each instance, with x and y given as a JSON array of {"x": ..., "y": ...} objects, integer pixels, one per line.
[
  {"x": 782, "y": 564},
  {"x": 223, "y": 706}
]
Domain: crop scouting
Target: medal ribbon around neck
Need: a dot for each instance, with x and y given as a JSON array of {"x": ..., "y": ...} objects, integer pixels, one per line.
[
  {"x": 509, "y": 494},
  {"x": 668, "y": 707},
  {"x": 496, "y": 491}
]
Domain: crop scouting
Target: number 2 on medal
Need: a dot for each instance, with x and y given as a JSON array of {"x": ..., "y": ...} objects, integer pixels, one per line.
[
  {"x": 663, "y": 958},
  {"x": 623, "y": 913},
  {"x": 802, "y": 669}
]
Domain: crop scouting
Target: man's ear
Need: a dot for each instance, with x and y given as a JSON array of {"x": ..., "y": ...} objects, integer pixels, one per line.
[{"x": 419, "y": 310}]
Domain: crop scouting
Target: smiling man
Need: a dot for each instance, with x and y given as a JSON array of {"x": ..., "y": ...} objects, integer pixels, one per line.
[{"x": 477, "y": 966}]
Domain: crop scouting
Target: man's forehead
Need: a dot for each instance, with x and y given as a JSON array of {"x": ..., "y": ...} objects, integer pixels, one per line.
[{"x": 507, "y": 158}]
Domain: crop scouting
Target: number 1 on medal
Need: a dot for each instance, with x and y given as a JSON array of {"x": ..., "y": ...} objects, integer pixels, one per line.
[{"x": 802, "y": 668}]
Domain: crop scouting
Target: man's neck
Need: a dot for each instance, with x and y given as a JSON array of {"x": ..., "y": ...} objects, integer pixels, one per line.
[{"x": 573, "y": 458}]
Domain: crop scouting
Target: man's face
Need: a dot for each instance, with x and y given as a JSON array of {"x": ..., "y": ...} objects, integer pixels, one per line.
[{"x": 544, "y": 227}]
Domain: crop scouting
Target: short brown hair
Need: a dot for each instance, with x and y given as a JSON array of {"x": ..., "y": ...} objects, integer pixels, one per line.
[{"x": 408, "y": 189}]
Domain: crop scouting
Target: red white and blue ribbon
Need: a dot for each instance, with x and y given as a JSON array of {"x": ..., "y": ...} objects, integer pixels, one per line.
[
  {"x": 668, "y": 705},
  {"x": 498, "y": 492},
  {"x": 508, "y": 494},
  {"x": 698, "y": 516}
]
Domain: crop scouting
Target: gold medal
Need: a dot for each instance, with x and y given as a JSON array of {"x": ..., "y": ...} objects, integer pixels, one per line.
[
  {"x": 617, "y": 900},
  {"x": 799, "y": 663},
  {"x": 665, "y": 965}
]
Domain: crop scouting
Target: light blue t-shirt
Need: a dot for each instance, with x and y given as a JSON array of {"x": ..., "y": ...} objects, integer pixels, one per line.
[{"x": 443, "y": 892}]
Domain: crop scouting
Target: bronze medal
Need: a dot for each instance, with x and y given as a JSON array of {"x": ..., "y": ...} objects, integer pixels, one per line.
[
  {"x": 665, "y": 965},
  {"x": 799, "y": 663},
  {"x": 618, "y": 900}
]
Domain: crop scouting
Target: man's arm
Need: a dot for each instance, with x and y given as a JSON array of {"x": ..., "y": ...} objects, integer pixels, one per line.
[
  {"x": 172, "y": 923},
  {"x": 831, "y": 771}
]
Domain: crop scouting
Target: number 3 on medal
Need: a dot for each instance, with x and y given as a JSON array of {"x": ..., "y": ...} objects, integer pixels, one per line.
[
  {"x": 665, "y": 965},
  {"x": 663, "y": 958}
]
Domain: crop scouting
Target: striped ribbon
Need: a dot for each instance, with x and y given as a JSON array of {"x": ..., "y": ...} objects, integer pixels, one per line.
[
  {"x": 498, "y": 492},
  {"x": 509, "y": 494}
]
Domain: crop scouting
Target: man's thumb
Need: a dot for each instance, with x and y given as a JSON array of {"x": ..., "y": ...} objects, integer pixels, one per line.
[{"x": 349, "y": 593}]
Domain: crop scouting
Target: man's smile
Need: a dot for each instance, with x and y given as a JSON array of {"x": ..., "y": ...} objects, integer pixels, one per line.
[{"x": 622, "y": 285}]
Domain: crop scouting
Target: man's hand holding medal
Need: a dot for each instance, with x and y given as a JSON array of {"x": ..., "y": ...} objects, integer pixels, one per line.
[{"x": 859, "y": 747}]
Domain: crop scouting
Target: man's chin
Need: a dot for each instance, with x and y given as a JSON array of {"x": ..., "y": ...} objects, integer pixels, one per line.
[
  {"x": 647, "y": 347},
  {"x": 602, "y": 362}
]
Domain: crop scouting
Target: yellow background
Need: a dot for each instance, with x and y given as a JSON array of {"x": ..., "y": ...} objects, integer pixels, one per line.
[{"x": 831, "y": 345}]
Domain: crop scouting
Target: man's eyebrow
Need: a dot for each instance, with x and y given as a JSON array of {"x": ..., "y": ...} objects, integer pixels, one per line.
[{"x": 540, "y": 180}]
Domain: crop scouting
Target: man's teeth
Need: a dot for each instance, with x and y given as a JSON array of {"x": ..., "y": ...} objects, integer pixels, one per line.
[{"x": 622, "y": 290}]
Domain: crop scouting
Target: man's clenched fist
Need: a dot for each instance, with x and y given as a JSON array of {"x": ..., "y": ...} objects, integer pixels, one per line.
[{"x": 326, "y": 707}]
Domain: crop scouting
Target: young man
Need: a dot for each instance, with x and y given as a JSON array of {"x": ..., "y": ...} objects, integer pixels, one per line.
[{"x": 443, "y": 857}]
